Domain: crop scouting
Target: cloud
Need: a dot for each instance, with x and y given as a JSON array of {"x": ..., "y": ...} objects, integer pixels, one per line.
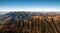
[{"x": 31, "y": 10}]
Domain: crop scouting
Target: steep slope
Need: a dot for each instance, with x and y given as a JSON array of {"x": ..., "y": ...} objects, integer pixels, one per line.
[{"x": 30, "y": 22}]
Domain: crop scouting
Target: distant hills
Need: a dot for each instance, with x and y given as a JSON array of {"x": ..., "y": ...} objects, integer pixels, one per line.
[{"x": 12, "y": 16}]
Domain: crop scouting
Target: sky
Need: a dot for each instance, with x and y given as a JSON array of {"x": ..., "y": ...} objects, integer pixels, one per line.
[{"x": 30, "y": 5}]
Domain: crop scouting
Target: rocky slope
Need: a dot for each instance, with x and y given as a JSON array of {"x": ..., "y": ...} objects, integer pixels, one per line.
[{"x": 30, "y": 22}]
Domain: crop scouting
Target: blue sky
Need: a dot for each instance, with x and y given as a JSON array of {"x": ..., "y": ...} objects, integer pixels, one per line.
[{"x": 29, "y": 5}]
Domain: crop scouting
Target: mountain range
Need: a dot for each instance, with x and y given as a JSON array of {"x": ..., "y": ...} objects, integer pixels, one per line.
[
  {"x": 12, "y": 16},
  {"x": 30, "y": 22}
]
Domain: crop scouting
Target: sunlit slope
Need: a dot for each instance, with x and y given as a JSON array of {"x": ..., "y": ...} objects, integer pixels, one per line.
[{"x": 27, "y": 22}]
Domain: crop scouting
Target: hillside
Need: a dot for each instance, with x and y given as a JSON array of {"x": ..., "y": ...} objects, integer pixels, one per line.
[{"x": 30, "y": 22}]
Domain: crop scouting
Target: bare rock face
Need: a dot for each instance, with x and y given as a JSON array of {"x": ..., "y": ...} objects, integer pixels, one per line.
[{"x": 30, "y": 22}]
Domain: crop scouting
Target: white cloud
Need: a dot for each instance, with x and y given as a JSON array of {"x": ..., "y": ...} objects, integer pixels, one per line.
[{"x": 32, "y": 10}]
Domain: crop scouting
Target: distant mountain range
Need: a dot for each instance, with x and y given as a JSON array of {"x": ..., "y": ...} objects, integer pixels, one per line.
[{"x": 8, "y": 18}]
